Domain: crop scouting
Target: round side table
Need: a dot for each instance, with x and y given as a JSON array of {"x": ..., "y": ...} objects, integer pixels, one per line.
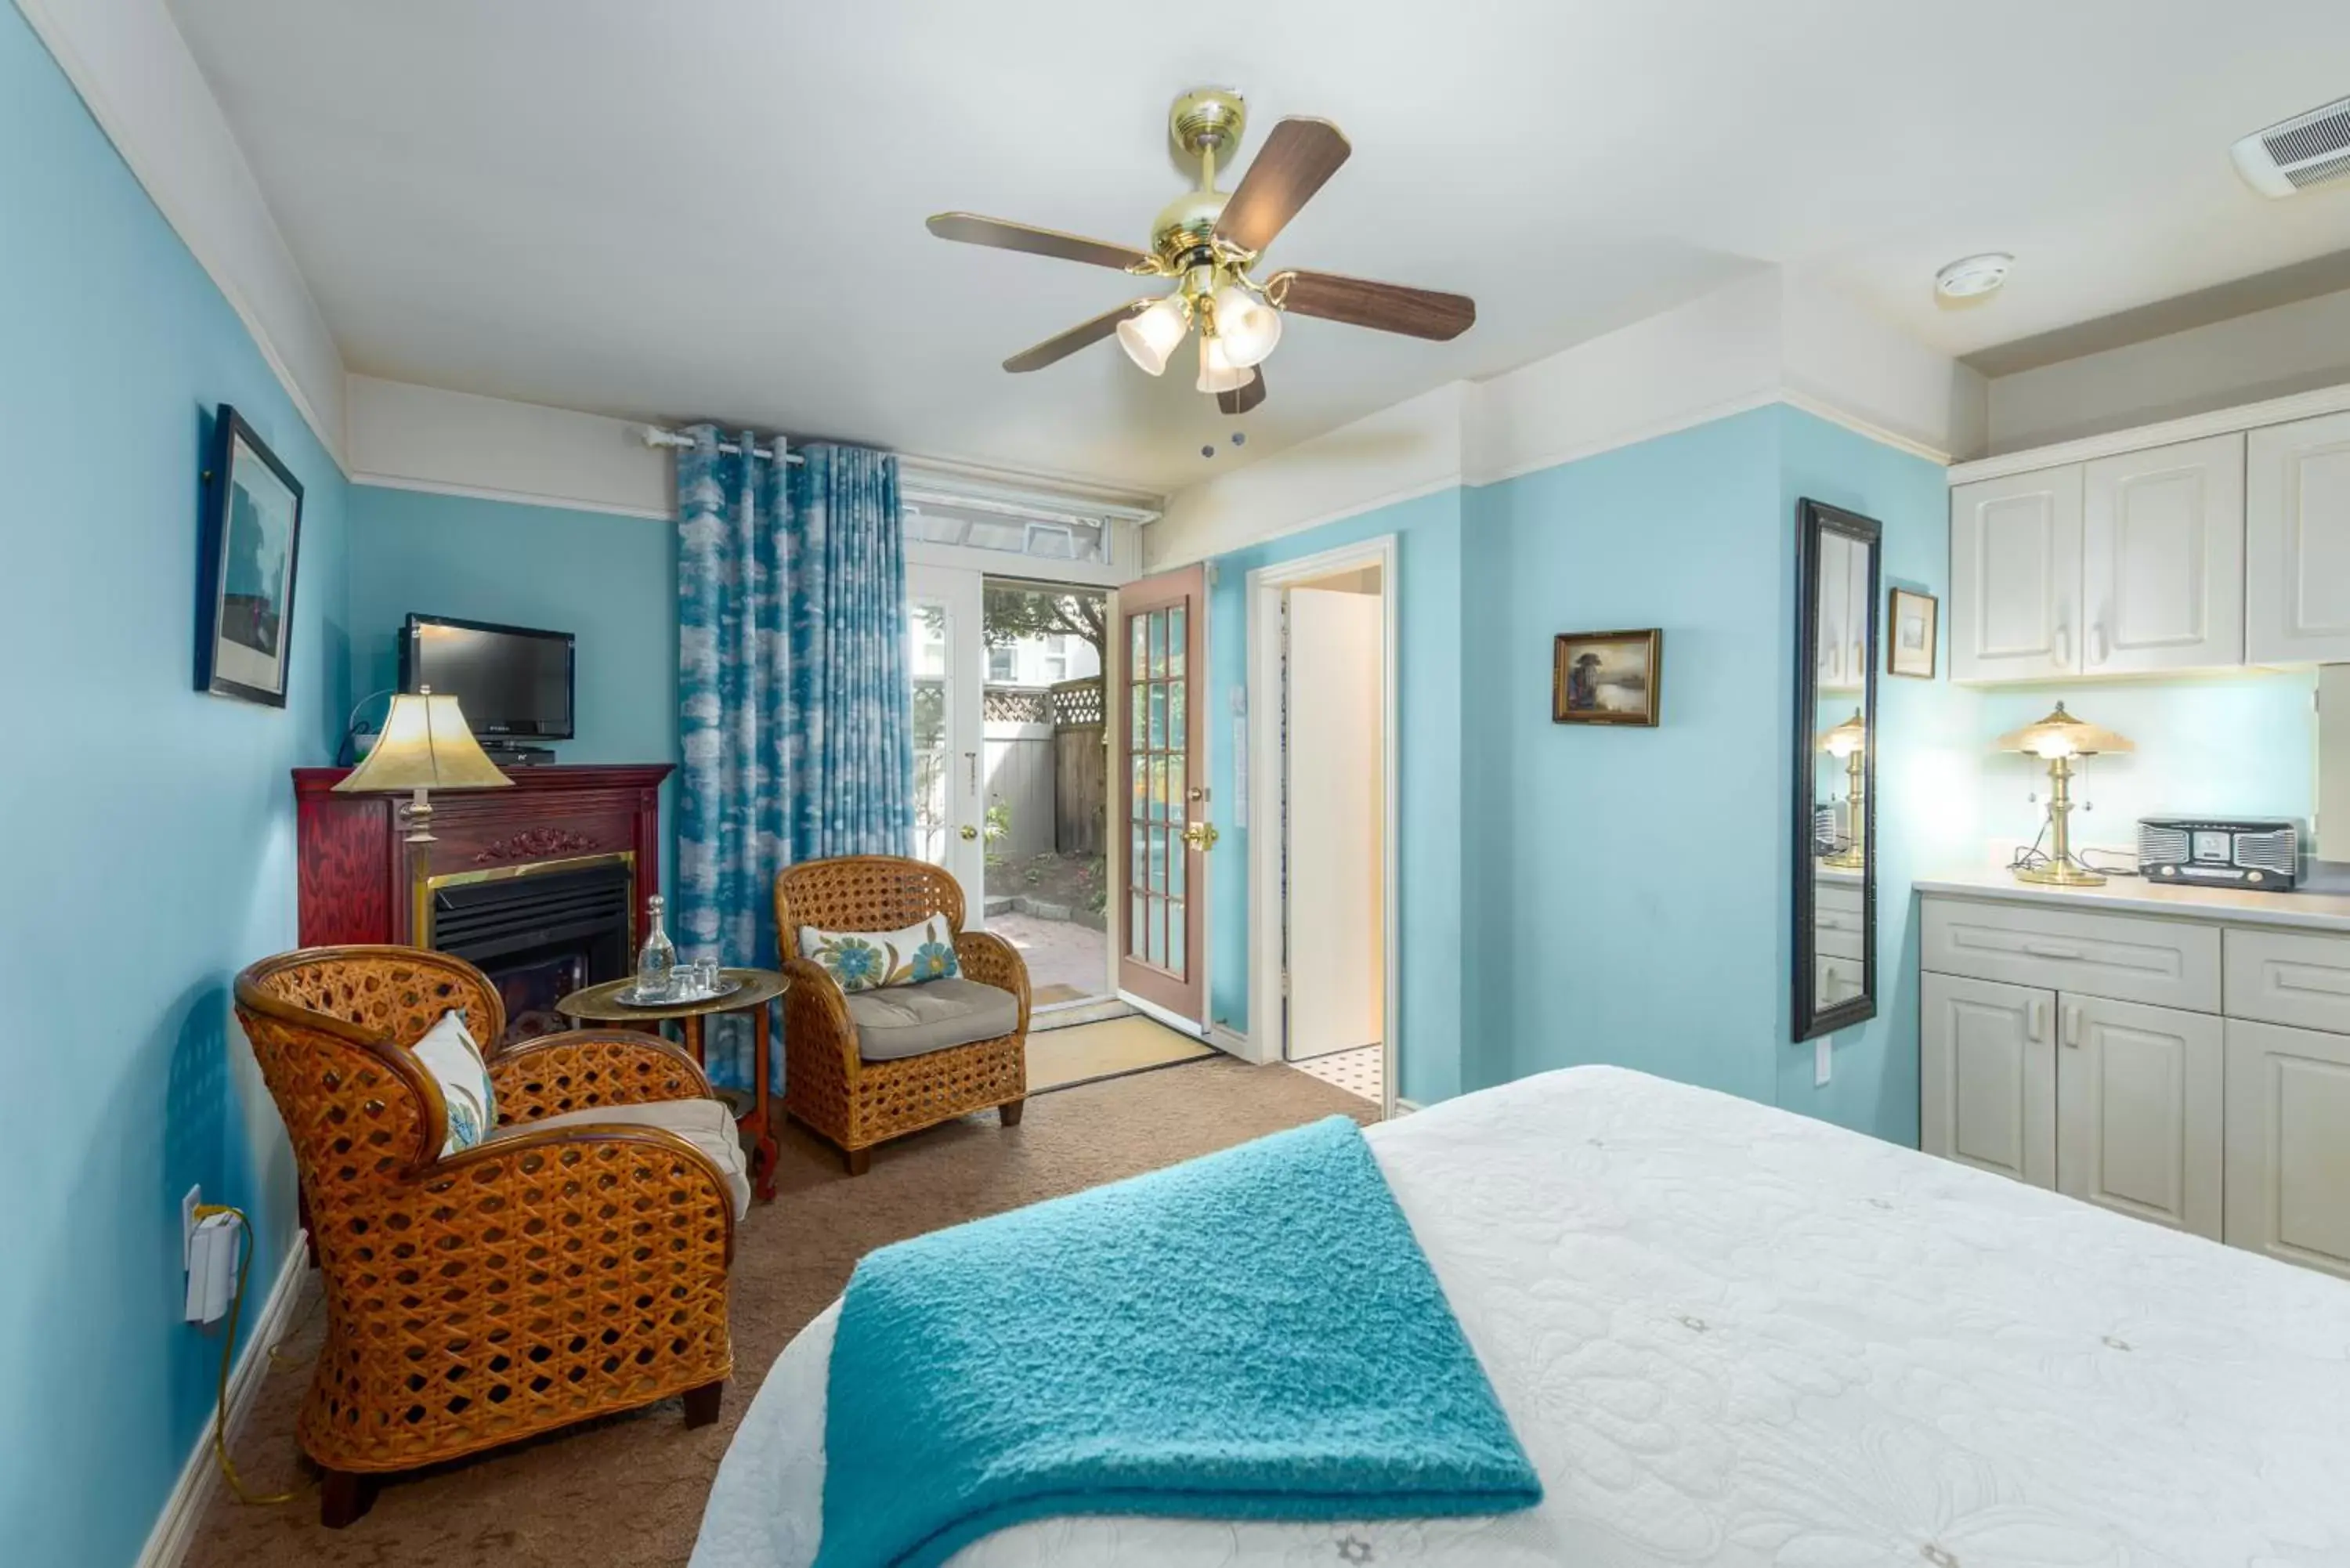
[{"x": 600, "y": 1004}]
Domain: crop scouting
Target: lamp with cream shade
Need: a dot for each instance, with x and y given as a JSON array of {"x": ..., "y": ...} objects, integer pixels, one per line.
[
  {"x": 425, "y": 745},
  {"x": 2059, "y": 738}
]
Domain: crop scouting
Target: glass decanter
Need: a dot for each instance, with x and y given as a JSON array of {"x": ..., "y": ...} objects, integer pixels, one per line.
[{"x": 657, "y": 960}]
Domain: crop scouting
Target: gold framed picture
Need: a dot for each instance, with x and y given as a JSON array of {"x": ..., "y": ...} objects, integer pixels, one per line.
[
  {"x": 1913, "y": 622},
  {"x": 1607, "y": 677}
]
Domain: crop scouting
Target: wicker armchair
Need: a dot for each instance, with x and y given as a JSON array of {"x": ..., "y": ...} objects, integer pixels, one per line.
[
  {"x": 537, "y": 1279},
  {"x": 827, "y": 1086}
]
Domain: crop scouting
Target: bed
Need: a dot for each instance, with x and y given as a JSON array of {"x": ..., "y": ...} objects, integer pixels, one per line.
[{"x": 1725, "y": 1333}]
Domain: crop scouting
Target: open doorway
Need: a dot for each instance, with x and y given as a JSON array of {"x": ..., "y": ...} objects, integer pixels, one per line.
[
  {"x": 1046, "y": 785},
  {"x": 1323, "y": 876}
]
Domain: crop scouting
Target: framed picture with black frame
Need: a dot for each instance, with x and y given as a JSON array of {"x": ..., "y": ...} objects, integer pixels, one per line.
[{"x": 251, "y": 542}]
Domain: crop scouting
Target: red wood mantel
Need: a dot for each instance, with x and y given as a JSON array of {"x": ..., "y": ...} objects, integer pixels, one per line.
[{"x": 360, "y": 875}]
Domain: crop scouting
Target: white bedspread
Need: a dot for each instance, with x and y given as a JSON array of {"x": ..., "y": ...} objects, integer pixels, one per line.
[{"x": 1729, "y": 1334}]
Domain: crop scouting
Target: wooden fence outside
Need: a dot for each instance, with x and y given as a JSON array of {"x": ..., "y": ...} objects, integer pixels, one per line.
[{"x": 1046, "y": 770}]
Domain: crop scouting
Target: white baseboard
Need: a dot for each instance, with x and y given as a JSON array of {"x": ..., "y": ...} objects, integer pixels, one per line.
[
  {"x": 175, "y": 1527},
  {"x": 1404, "y": 1108}
]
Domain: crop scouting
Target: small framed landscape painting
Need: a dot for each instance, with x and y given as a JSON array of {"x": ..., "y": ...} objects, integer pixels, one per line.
[
  {"x": 1915, "y": 619},
  {"x": 252, "y": 535},
  {"x": 1607, "y": 677}
]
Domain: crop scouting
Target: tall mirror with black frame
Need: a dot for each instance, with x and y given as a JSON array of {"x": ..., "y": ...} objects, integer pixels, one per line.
[{"x": 1835, "y": 982}]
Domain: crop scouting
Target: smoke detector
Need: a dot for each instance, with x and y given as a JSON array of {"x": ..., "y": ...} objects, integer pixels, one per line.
[
  {"x": 1971, "y": 277},
  {"x": 2295, "y": 154}
]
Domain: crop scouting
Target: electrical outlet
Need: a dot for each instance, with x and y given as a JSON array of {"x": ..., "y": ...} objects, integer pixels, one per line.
[{"x": 188, "y": 1224}]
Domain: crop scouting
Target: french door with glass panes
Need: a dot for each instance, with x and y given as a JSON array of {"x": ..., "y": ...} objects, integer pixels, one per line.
[
  {"x": 1162, "y": 777},
  {"x": 947, "y": 661}
]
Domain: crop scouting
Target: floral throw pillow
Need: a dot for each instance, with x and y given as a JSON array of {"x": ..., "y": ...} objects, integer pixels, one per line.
[
  {"x": 868, "y": 960},
  {"x": 447, "y": 1052}
]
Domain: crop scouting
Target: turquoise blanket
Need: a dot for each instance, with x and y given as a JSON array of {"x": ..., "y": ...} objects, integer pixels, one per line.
[{"x": 1251, "y": 1335}]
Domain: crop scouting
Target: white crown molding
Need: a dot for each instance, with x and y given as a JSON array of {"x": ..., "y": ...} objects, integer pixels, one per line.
[
  {"x": 513, "y": 497},
  {"x": 2193, "y": 427},
  {"x": 175, "y": 1527},
  {"x": 136, "y": 76},
  {"x": 1633, "y": 435},
  {"x": 1820, "y": 408}
]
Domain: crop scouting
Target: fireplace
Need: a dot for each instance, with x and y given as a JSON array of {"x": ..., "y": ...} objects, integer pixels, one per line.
[{"x": 539, "y": 930}]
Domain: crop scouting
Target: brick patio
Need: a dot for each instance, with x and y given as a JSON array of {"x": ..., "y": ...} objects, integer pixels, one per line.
[{"x": 1057, "y": 952}]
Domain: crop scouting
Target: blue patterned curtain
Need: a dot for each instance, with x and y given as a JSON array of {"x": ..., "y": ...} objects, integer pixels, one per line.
[{"x": 794, "y": 695}]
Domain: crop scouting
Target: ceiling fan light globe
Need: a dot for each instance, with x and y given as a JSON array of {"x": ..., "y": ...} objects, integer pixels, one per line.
[
  {"x": 1149, "y": 337},
  {"x": 1216, "y": 372},
  {"x": 1247, "y": 326}
]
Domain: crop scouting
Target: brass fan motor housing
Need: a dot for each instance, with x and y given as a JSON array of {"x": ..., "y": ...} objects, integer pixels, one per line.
[{"x": 1208, "y": 122}]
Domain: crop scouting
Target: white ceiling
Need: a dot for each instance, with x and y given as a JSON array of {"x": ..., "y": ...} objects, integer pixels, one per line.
[{"x": 714, "y": 207}]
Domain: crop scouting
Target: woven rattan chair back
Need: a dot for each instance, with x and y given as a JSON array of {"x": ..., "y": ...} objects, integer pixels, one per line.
[
  {"x": 331, "y": 1027},
  {"x": 863, "y": 893}
]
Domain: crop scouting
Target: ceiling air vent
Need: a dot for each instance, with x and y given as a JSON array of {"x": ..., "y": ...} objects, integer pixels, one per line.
[{"x": 2295, "y": 154}]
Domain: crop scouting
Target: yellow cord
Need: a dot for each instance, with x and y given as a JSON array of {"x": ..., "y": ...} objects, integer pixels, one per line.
[{"x": 228, "y": 1351}]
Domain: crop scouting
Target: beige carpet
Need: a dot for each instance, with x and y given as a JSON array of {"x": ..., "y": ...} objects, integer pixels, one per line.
[
  {"x": 1060, "y": 1057},
  {"x": 627, "y": 1492}
]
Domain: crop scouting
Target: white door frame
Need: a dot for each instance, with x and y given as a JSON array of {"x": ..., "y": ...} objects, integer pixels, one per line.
[
  {"x": 1266, "y": 1032},
  {"x": 961, "y": 593}
]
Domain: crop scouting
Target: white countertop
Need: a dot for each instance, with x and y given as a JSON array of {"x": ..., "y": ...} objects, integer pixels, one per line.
[{"x": 2132, "y": 896}]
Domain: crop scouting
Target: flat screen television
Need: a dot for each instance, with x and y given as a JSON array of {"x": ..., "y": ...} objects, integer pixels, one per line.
[{"x": 511, "y": 680}]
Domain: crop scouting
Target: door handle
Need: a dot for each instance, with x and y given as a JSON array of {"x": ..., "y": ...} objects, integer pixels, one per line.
[
  {"x": 1200, "y": 835},
  {"x": 2072, "y": 1024},
  {"x": 2035, "y": 1019},
  {"x": 2063, "y": 647},
  {"x": 2052, "y": 950},
  {"x": 2099, "y": 647},
  {"x": 968, "y": 832},
  {"x": 971, "y": 765}
]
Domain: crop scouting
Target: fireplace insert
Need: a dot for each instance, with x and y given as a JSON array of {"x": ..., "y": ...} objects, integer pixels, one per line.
[{"x": 539, "y": 932}]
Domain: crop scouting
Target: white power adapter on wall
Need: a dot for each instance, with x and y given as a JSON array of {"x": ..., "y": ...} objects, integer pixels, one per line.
[{"x": 211, "y": 1266}]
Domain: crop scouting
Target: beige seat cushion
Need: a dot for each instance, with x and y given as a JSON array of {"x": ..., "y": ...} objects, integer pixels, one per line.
[
  {"x": 903, "y": 1021},
  {"x": 707, "y": 1125}
]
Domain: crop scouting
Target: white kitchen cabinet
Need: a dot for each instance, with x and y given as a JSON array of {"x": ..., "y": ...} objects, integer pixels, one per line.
[
  {"x": 1987, "y": 1083},
  {"x": 2015, "y": 576},
  {"x": 2138, "y": 1123},
  {"x": 2297, "y": 543},
  {"x": 2162, "y": 559},
  {"x": 2288, "y": 1109},
  {"x": 2191, "y": 1069}
]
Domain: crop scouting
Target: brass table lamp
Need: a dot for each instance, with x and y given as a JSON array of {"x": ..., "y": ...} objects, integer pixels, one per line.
[
  {"x": 1848, "y": 741},
  {"x": 425, "y": 745},
  {"x": 2059, "y": 738}
]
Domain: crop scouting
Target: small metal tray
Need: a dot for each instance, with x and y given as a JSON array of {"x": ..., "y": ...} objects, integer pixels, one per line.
[{"x": 727, "y": 986}]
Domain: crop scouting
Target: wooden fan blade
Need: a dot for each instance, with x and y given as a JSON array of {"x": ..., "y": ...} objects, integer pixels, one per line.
[
  {"x": 1383, "y": 307},
  {"x": 1297, "y": 158},
  {"x": 1067, "y": 343},
  {"x": 1243, "y": 399},
  {"x": 971, "y": 229}
]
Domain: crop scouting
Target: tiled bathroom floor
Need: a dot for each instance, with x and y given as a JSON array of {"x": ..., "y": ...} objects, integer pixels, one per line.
[{"x": 1357, "y": 1071}]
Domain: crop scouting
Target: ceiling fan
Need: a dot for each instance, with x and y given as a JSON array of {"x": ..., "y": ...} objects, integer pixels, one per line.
[{"x": 1208, "y": 242}]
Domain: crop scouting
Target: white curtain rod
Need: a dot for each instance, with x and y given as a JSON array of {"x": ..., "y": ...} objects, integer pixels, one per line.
[
  {"x": 656, "y": 436},
  {"x": 1056, "y": 508}
]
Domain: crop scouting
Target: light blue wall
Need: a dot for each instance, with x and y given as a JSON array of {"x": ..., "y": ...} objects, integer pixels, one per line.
[
  {"x": 1631, "y": 901},
  {"x": 1430, "y": 758},
  {"x": 610, "y": 581},
  {"x": 151, "y": 842},
  {"x": 1577, "y": 894}
]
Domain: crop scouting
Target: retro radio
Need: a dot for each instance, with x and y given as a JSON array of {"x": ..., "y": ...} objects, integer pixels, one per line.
[{"x": 2262, "y": 853}]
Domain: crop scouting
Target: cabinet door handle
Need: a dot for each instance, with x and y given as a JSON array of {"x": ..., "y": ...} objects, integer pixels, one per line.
[
  {"x": 2063, "y": 649},
  {"x": 2052, "y": 950},
  {"x": 2035, "y": 1019},
  {"x": 2072, "y": 1024},
  {"x": 2098, "y": 647}
]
